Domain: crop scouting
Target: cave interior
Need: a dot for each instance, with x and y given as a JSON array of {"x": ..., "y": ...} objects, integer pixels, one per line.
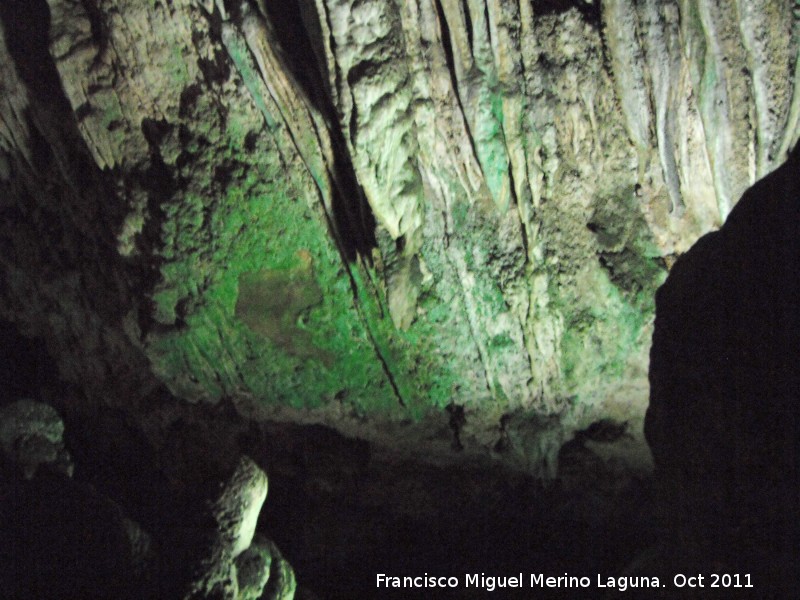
[{"x": 295, "y": 295}]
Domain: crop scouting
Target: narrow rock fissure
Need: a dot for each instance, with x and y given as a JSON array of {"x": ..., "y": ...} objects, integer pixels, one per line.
[
  {"x": 447, "y": 46},
  {"x": 467, "y": 24},
  {"x": 373, "y": 342},
  {"x": 387, "y": 371},
  {"x": 487, "y": 20},
  {"x": 98, "y": 28},
  {"x": 353, "y": 219}
]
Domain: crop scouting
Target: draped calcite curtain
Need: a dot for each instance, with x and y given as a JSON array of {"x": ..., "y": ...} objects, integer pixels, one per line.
[{"x": 378, "y": 207}]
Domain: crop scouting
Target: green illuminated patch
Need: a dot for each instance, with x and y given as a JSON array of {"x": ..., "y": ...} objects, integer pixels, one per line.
[
  {"x": 491, "y": 147},
  {"x": 254, "y": 299}
]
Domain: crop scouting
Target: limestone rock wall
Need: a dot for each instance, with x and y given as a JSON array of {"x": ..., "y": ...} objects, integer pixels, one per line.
[{"x": 376, "y": 207}]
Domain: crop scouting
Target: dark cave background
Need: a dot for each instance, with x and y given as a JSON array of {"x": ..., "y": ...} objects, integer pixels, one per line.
[{"x": 339, "y": 514}]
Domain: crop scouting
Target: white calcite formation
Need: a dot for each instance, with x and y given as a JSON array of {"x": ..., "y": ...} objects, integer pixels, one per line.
[{"x": 236, "y": 566}]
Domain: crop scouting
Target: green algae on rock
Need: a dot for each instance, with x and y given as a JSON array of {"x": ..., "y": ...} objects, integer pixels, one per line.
[{"x": 370, "y": 211}]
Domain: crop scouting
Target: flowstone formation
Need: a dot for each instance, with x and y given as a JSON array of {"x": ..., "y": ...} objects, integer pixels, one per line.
[{"x": 361, "y": 213}]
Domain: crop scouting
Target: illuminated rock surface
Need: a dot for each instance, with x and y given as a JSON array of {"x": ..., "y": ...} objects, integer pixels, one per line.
[
  {"x": 436, "y": 226},
  {"x": 235, "y": 512},
  {"x": 452, "y": 203}
]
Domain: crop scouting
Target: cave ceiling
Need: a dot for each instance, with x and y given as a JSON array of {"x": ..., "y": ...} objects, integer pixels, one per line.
[{"x": 358, "y": 212}]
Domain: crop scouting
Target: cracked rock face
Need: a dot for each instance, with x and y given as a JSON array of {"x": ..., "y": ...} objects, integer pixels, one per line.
[{"x": 365, "y": 212}]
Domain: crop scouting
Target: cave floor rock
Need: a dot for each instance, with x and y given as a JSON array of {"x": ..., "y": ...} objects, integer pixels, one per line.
[{"x": 342, "y": 510}]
